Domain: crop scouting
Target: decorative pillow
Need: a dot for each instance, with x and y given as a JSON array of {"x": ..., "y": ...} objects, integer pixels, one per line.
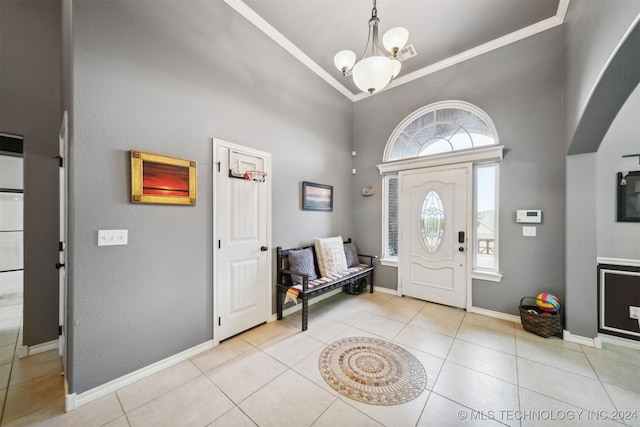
[
  {"x": 351, "y": 253},
  {"x": 331, "y": 257},
  {"x": 302, "y": 262}
]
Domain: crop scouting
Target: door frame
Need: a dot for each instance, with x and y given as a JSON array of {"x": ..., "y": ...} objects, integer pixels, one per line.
[
  {"x": 215, "y": 165},
  {"x": 451, "y": 159},
  {"x": 63, "y": 277},
  {"x": 468, "y": 256}
]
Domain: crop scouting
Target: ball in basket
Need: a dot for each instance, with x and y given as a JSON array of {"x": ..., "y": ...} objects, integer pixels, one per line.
[{"x": 548, "y": 302}]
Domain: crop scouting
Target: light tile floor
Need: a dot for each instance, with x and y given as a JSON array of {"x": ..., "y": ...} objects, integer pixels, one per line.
[{"x": 481, "y": 371}]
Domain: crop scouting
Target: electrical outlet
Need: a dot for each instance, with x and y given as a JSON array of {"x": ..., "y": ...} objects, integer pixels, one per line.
[{"x": 634, "y": 312}]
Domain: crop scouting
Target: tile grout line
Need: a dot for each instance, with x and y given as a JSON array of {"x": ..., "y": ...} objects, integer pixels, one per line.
[
  {"x": 13, "y": 357},
  {"x": 515, "y": 351},
  {"x": 602, "y": 383},
  {"x": 121, "y": 407}
]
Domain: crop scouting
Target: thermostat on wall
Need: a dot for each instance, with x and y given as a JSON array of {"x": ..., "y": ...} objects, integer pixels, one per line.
[{"x": 529, "y": 216}]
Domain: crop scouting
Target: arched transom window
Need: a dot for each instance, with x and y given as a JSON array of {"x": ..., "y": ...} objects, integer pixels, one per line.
[{"x": 440, "y": 128}]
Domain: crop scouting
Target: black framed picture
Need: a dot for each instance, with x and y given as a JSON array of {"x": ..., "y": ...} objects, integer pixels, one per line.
[
  {"x": 317, "y": 197},
  {"x": 629, "y": 196}
]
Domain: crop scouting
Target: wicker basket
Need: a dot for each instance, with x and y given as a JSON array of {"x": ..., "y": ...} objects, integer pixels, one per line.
[{"x": 545, "y": 326}]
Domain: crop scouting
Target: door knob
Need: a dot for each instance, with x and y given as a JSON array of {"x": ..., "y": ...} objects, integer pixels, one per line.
[
  {"x": 264, "y": 248},
  {"x": 59, "y": 266},
  {"x": 461, "y": 249}
]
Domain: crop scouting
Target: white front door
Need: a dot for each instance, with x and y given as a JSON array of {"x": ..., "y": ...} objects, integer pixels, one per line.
[
  {"x": 434, "y": 224},
  {"x": 242, "y": 240}
]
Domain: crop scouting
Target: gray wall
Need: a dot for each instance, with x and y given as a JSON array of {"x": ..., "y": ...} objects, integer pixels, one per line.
[
  {"x": 166, "y": 77},
  {"x": 593, "y": 30},
  {"x": 30, "y": 48},
  {"x": 580, "y": 301},
  {"x": 617, "y": 239},
  {"x": 519, "y": 86}
]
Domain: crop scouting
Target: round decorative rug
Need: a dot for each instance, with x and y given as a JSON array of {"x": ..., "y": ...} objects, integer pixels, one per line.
[{"x": 372, "y": 371}]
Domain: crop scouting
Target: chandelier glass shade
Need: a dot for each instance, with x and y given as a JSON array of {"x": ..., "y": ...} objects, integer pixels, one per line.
[{"x": 375, "y": 71}]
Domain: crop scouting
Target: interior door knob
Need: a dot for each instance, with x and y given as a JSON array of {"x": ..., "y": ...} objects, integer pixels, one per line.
[
  {"x": 461, "y": 249},
  {"x": 264, "y": 248},
  {"x": 59, "y": 266}
]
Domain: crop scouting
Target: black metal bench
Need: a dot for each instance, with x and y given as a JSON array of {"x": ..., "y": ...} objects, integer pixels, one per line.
[{"x": 310, "y": 289}]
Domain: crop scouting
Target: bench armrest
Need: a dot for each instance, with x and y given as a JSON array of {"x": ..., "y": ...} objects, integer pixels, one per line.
[
  {"x": 372, "y": 258},
  {"x": 305, "y": 277}
]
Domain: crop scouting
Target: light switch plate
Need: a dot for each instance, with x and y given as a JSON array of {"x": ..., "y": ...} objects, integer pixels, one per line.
[
  {"x": 529, "y": 231},
  {"x": 112, "y": 237}
]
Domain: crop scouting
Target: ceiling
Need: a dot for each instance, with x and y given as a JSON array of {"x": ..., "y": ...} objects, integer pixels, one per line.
[{"x": 443, "y": 32}]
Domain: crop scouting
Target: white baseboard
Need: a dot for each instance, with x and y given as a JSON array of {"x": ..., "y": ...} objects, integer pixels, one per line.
[
  {"x": 590, "y": 342},
  {"x": 385, "y": 290},
  {"x": 495, "y": 314},
  {"x": 73, "y": 400},
  {"x": 622, "y": 342},
  {"x": 30, "y": 350},
  {"x": 23, "y": 351}
]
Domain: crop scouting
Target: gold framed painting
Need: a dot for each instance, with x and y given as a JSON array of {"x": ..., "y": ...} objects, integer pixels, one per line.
[{"x": 162, "y": 179}]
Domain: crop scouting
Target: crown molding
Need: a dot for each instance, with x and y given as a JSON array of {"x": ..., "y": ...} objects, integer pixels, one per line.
[
  {"x": 284, "y": 42},
  {"x": 505, "y": 40}
]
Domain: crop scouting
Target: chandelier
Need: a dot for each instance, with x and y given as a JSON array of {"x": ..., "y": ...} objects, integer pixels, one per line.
[{"x": 374, "y": 72}]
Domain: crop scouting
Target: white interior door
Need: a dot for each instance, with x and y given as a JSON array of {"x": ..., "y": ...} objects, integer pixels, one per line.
[
  {"x": 62, "y": 260},
  {"x": 434, "y": 224},
  {"x": 242, "y": 240}
]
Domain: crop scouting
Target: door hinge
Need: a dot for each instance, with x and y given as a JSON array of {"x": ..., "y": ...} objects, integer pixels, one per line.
[
  {"x": 219, "y": 166},
  {"x": 219, "y": 245},
  {"x": 59, "y": 330},
  {"x": 60, "y": 161},
  {"x": 219, "y": 321},
  {"x": 60, "y": 246}
]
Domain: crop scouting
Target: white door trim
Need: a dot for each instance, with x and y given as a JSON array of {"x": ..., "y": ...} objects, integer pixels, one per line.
[
  {"x": 217, "y": 143},
  {"x": 63, "y": 278},
  {"x": 471, "y": 155},
  {"x": 469, "y": 236}
]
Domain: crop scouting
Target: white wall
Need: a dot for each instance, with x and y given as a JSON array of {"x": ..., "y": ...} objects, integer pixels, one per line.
[{"x": 618, "y": 239}]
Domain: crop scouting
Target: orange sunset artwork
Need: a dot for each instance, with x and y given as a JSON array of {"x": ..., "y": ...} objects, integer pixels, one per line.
[{"x": 164, "y": 180}]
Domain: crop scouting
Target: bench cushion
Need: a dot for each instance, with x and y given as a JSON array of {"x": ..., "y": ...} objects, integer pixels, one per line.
[
  {"x": 320, "y": 281},
  {"x": 302, "y": 261},
  {"x": 331, "y": 257}
]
